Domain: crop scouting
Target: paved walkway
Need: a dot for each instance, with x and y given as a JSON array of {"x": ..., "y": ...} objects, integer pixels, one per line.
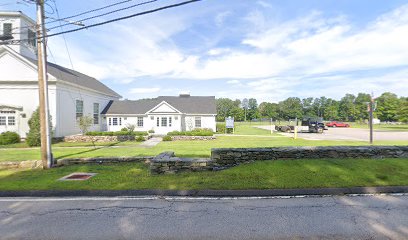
[{"x": 151, "y": 142}]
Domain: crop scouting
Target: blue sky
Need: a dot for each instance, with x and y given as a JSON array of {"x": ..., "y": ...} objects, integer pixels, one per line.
[{"x": 265, "y": 49}]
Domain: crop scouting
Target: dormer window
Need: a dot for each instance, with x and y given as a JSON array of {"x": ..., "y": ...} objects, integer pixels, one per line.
[{"x": 7, "y": 27}]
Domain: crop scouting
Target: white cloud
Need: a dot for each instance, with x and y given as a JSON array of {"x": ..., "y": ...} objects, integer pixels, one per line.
[
  {"x": 144, "y": 90},
  {"x": 221, "y": 17},
  {"x": 233, "y": 82}
]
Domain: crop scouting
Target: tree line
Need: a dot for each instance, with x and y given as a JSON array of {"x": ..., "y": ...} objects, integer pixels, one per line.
[{"x": 389, "y": 107}]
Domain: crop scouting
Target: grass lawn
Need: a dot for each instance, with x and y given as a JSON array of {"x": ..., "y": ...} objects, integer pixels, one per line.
[
  {"x": 181, "y": 148},
  {"x": 257, "y": 175}
]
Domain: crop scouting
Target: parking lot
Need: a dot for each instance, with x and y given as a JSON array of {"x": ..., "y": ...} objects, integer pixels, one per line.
[{"x": 355, "y": 134}]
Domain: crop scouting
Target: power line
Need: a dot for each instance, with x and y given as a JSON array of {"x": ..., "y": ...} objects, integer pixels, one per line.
[
  {"x": 121, "y": 18},
  {"x": 104, "y": 14}
]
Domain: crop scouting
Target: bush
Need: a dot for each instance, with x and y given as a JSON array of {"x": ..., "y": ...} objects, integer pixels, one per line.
[
  {"x": 124, "y": 130},
  {"x": 9, "y": 138},
  {"x": 140, "y": 139},
  {"x": 167, "y": 138},
  {"x": 195, "y": 132},
  {"x": 34, "y": 134},
  {"x": 120, "y": 133},
  {"x": 151, "y": 131},
  {"x": 220, "y": 127}
]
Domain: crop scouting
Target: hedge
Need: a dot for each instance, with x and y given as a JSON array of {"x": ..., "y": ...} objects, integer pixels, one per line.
[
  {"x": 119, "y": 133},
  {"x": 195, "y": 132}
]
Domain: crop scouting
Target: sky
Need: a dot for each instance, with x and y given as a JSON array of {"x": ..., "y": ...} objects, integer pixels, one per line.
[{"x": 266, "y": 49}]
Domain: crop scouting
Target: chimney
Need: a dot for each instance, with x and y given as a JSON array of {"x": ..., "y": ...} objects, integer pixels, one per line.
[{"x": 184, "y": 94}]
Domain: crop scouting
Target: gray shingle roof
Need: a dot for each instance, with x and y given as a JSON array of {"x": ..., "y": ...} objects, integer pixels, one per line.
[
  {"x": 188, "y": 105},
  {"x": 75, "y": 77}
]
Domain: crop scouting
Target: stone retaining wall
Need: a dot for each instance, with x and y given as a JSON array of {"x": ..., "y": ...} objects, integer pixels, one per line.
[
  {"x": 235, "y": 156},
  {"x": 101, "y": 160},
  {"x": 167, "y": 162},
  {"x": 82, "y": 138},
  {"x": 187, "y": 138},
  {"x": 31, "y": 164}
]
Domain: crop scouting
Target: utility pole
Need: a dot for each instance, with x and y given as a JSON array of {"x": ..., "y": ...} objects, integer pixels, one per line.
[
  {"x": 370, "y": 110},
  {"x": 45, "y": 131}
]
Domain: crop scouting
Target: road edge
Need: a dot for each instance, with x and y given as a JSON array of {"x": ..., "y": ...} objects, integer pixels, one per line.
[{"x": 206, "y": 193}]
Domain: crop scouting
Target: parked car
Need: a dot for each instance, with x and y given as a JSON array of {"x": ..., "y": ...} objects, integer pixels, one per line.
[{"x": 337, "y": 124}]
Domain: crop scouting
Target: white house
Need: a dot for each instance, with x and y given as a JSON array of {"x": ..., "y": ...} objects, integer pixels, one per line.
[
  {"x": 162, "y": 114},
  {"x": 71, "y": 94}
]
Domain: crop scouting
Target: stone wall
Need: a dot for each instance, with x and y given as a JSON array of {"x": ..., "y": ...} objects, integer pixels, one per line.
[
  {"x": 82, "y": 138},
  {"x": 167, "y": 162},
  {"x": 30, "y": 164},
  {"x": 101, "y": 160},
  {"x": 235, "y": 156},
  {"x": 187, "y": 138}
]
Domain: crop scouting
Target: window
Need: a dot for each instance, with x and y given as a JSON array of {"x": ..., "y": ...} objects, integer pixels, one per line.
[
  {"x": 197, "y": 122},
  {"x": 8, "y": 112},
  {"x": 151, "y": 118},
  {"x": 96, "y": 113},
  {"x": 169, "y": 121},
  {"x": 11, "y": 121},
  {"x": 79, "y": 109},
  {"x": 164, "y": 122},
  {"x": 110, "y": 121},
  {"x": 140, "y": 121},
  {"x": 120, "y": 121},
  {"x": 114, "y": 121},
  {"x": 7, "y": 29},
  {"x": 158, "y": 121},
  {"x": 2, "y": 121},
  {"x": 31, "y": 38}
]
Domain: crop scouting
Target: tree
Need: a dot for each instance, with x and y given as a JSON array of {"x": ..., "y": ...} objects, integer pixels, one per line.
[
  {"x": 84, "y": 123},
  {"x": 361, "y": 102},
  {"x": 403, "y": 112},
  {"x": 269, "y": 110},
  {"x": 252, "y": 109},
  {"x": 347, "y": 109},
  {"x": 291, "y": 108},
  {"x": 238, "y": 114},
  {"x": 224, "y": 107},
  {"x": 33, "y": 138},
  {"x": 331, "y": 111},
  {"x": 388, "y": 105},
  {"x": 307, "y": 109},
  {"x": 245, "y": 106}
]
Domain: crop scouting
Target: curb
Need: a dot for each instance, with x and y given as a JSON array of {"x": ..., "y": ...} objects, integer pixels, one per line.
[{"x": 207, "y": 193}]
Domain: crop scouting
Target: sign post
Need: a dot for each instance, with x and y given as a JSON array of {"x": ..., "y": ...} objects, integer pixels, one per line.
[{"x": 229, "y": 123}]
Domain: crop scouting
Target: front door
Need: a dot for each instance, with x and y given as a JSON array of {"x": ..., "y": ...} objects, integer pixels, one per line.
[{"x": 164, "y": 124}]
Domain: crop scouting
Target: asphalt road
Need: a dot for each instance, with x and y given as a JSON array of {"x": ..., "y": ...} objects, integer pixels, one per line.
[
  {"x": 355, "y": 134},
  {"x": 340, "y": 217}
]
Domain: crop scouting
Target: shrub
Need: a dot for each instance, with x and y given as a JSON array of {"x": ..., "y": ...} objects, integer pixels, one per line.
[
  {"x": 34, "y": 134},
  {"x": 151, "y": 131},
  {"x": 220, "y": 127},
  {"x": 140, "y": 139},
  {"x": 124, "y": 130},
  {"x": 9, "y": 138},
  {"x": 84, "y": 123},
  {"x": 195, "y": 132},
  {"x": 167, "y": 138},
  {"x": 120, "y": 133}
]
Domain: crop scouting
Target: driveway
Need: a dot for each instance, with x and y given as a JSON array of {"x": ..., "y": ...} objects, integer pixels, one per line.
[{"x": 353, "y": 134}]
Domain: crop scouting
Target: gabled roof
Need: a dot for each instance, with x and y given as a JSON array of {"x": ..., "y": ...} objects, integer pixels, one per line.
[
  {"x": 67, "y": 75},
  {"x": 185, "y": 104},
  {"x": 74, "y": 77}
]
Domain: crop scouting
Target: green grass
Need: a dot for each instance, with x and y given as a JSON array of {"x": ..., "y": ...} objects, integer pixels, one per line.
[
  {"x": 257, "y": 175},
  {"x": 181, "y": 148}
]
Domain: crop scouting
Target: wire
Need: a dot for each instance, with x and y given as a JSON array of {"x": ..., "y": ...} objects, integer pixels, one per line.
[
  {"x": 104, "y": 14},
  {"x": 90, "y": 11},
  {"x": 121, "y": 18}
]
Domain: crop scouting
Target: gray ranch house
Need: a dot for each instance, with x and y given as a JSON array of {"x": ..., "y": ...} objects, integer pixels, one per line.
[{"x": 162, "y": 114}]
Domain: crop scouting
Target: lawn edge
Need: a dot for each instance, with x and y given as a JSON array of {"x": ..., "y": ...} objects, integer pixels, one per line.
[{"x": 207, "y": 193}]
